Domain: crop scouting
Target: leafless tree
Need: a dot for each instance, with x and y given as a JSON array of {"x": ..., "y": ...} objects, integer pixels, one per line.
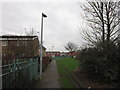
[
  {"x": 31, "y": 32},
  {"x": 70, "y": 46},
  {"x": 102, "y": 18},
  {"x": 34, "y": 44}
]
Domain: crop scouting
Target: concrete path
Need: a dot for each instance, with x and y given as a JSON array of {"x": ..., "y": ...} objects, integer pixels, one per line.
[{"x": 49, "y": 77}]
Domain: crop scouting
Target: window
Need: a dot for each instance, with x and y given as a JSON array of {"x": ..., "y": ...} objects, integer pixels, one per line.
[
  {"x": 18, "y": 43},
  {"x": 26, "y": 43},
  {"x": 4, "y": 43}
]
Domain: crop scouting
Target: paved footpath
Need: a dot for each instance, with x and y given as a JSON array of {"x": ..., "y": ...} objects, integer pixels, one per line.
[{"x": 49, "y": 77}]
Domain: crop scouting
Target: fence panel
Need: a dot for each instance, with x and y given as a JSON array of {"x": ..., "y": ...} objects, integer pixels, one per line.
[{"x": 19, "y": 73}]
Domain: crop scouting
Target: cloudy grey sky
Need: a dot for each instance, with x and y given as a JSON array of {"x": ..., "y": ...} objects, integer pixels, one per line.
[{"x": 60, "y": 26}]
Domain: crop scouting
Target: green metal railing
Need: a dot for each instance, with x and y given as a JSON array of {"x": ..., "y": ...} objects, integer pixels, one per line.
[{"x": 19, "y": 73}]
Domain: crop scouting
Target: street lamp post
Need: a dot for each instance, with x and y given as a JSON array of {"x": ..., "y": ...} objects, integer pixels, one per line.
[
  {"x": 41, "y": 45},
  {"x": 52, "y": 48}
]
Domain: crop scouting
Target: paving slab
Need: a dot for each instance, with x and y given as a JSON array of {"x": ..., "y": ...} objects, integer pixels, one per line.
[{"x": 50, "y": 77}]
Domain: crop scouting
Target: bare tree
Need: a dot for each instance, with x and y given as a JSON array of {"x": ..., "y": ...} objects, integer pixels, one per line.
[
  {"x": 33, "y": 44},
  {"x": 102, "y": 18},
  {"x": 71, "y": 46},
  {"x": 31, "y": 32}
]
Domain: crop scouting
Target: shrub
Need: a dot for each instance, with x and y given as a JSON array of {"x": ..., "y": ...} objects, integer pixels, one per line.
[{"x": 101, "y": 62}]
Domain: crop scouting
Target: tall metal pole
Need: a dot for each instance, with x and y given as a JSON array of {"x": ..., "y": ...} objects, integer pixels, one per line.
[{"x": 41, "y": 45}]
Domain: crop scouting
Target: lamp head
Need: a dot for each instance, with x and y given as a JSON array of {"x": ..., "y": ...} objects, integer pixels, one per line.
[{"x": 44, "y": 15}]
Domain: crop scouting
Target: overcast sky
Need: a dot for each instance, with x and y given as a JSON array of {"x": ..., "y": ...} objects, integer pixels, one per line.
[{"x": 60, "y": 26}]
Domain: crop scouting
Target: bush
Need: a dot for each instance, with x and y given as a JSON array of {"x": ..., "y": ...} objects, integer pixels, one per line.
[{"x": 101, "y": 62}]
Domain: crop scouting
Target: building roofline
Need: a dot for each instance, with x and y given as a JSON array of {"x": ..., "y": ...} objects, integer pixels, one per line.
[
  {"x": 52, "y": 51},
  {"x": 44, "y": 47},
  {"x": 5, "y": 36}
]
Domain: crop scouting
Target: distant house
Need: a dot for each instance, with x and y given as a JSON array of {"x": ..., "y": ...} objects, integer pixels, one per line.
[
  {"x": 52, "y": 53},
  {"x": 72, "y": 53},
  {"x": 43, "y": 51},
  {"x": 63, "y": 53},
  {"x": 19, "y": 46}
]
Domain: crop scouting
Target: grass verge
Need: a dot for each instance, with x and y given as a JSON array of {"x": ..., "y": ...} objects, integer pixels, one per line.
[{"x": 64, "y": 64}]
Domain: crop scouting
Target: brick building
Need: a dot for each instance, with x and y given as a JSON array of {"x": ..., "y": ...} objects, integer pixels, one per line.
[
  {"x": 44, "y": 51},
  {"x": 52, "y": 53},
  {"x": 19, "y": 46},
  {"x": 72, "y": 53}
]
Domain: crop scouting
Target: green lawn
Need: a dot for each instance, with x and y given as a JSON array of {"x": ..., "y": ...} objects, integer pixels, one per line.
[{"x": 65, "y": 64}]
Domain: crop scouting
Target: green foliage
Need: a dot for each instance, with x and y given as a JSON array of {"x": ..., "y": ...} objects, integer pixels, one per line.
[{"x": 101, "y": 62}]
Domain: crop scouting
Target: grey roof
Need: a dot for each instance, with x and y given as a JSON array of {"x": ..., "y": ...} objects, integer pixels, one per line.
[
  {"x": 15, "y": 37},
  {"x": 53, "y": 51}
]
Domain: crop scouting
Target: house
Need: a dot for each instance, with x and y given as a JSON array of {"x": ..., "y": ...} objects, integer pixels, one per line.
[
  {"x": 52, "y": 53},
  {"x": 19, "y": 46},
  {"x": 43, "y": 51},
  {"x": 72, "y": 53},
  {"x": 63, "y": 53}
]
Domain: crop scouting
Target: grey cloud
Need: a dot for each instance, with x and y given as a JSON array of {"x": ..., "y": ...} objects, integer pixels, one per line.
[{"x": 59, "y": 26}]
